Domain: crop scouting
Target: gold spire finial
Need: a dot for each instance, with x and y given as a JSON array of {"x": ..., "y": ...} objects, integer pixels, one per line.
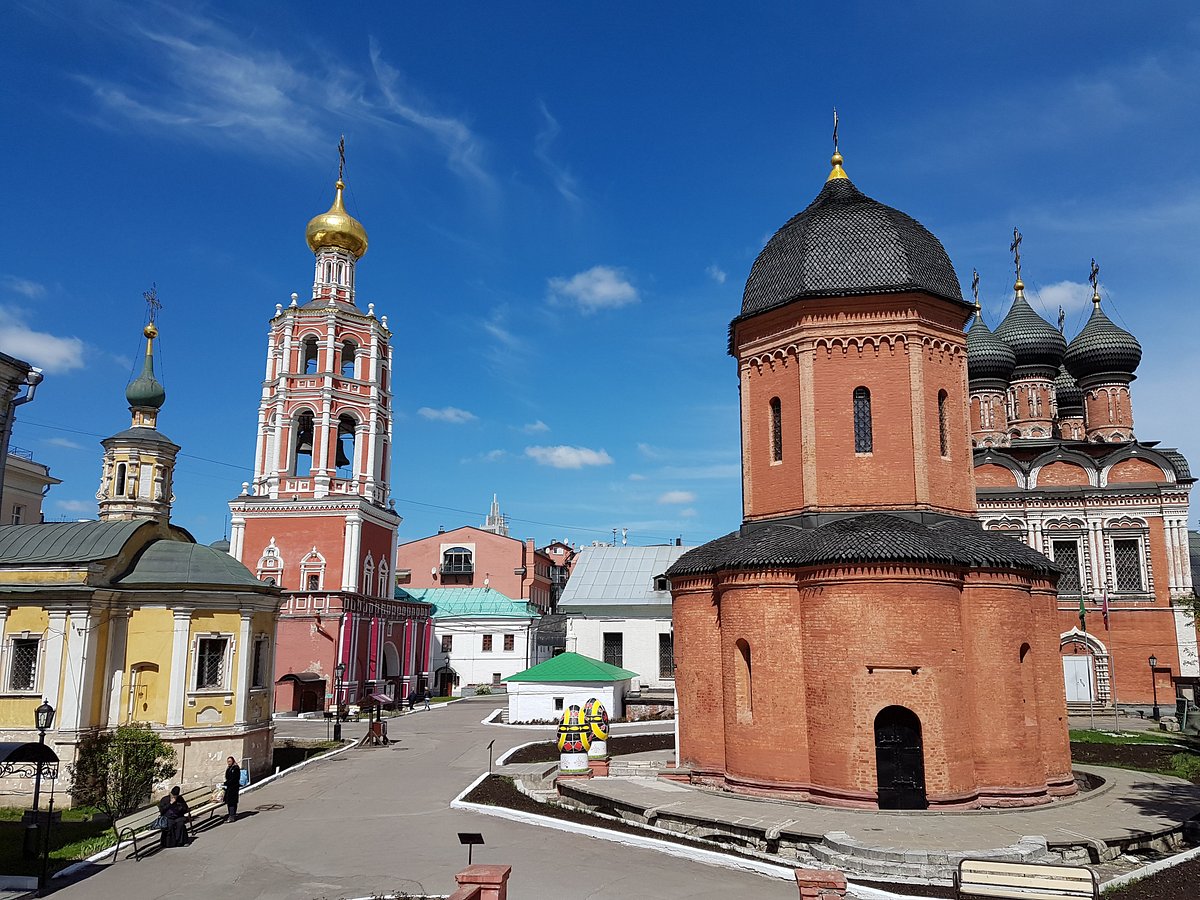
[
  {"x": 836, "y": 160},
  {"x": 975, "y": 291},
  {"x": 1015, "y": 247},
  {"x": 1094, "y": 278}
]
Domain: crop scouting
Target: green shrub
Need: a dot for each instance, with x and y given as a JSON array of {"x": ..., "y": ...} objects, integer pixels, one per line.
[
  {"x": 482, "y": 690},
  {"x": 116, "y": 771}
]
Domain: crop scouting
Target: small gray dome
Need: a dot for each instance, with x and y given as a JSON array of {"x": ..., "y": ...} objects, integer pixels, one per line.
[
  {"x": 989, "y": 359},
  {"x": 1103, "y": 349},
  {"x": 1037, "y": 344},
  {"x": 845, "y": 244},
  {"x": 1067, "y": 394}
]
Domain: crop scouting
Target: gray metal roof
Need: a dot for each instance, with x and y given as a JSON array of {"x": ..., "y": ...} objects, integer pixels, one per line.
[
  {"x": 178, "y": 564},
  {"x": 66, "y": 542},
  {"x": 613, "y": 576}
]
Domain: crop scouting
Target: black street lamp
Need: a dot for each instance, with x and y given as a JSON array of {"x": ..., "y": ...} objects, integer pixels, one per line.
[
  {"x": 1154, "y": 684},
  {"x": 339, "y": 670},
  {"x": 43, "y": 718}
]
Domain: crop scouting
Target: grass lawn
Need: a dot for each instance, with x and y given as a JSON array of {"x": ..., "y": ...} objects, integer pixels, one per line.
[
  {"x": 1083, "y": 736},
  {"x": 82, "y": 832}
]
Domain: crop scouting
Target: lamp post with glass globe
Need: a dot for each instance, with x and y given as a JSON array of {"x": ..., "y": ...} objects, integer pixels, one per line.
[
  {"x": 339, "y": 670},
  {"x": 43, "y": 718},
  {"x": 1153, "y": 683}
]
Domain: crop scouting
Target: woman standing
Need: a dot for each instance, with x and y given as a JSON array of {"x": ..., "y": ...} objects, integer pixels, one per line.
[{"x": 233, "y": 784}]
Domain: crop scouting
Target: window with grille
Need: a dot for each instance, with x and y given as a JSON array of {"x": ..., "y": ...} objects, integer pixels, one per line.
[
  {"x": 1127, "y": 565},
  {"x": 260, "y": 662},
  {"x": 447, "y": 643},
  {"x": 487, "y": 643},
  {"x": 495, "y": 678},
  {"x": 776, "y": 430},
  {"x": 18, "y": 514},
  {"x": 614, "y": 648},
  {"x": 1066, "y": 554},
  {"x": 943, "y": 425},
  {"x": 666, "y": 655},
  {"x": 314, "y": 582},
  {"x": 862, "y": 420},
  {"x": 510, "y": 642},
  {"x": 22, "y": 667},
  {"x": 457, "y": 561},
  {"x": 210, "y": 663}
]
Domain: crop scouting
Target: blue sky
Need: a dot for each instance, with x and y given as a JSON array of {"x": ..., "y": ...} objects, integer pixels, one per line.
[{"x": 563, "y": 203}]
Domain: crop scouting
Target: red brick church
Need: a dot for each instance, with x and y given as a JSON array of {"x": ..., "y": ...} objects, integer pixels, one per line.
[{"x": 861, "y": 640}]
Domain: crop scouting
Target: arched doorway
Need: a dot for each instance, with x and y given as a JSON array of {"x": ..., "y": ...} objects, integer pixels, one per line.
[
  {"x": 899, "y": 759},
  {"x": 1086, "y": 668},
  {"x": 391, "y": 660},
  {"x": 447, "y": 678}
]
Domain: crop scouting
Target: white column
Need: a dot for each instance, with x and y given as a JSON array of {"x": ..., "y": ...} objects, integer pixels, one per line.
[
  {"x": 245, "y": 661},
  {"x": 116, "y": 664},
  {"x": 179, "y": 671},
  {"x": 237, "y": 537},
  {"x": 56, "y": 636},
  {"x": 79, "y": 673},
  {"x": 350, "y": 560}
]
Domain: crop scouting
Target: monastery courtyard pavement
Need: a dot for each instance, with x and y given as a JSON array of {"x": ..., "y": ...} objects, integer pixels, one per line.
[{"x": 373, "y": 821}]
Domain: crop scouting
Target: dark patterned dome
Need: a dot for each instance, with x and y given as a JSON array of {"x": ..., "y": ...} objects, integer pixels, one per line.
[
  {"x": 989, "y": 359},
  {"x": 1067, "y": 394},
  {"x": 843, "y": 244},
  {"x": 1103, "y": 349},
  {"x": 1038, "y": 346}
]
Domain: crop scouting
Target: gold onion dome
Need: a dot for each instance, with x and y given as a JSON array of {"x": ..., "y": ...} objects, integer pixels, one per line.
[{"x": 337, "y": 228}]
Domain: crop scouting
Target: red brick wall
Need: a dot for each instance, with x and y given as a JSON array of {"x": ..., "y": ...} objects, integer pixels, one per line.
[
  {"x": 1060, "y": 474},
  {"x": 698, "y": 675},
  {"x": 1135, "y": 470},
  {"x": 992, "y": 475}
]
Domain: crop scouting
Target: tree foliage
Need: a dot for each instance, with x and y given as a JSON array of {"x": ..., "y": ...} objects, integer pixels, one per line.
[{"x": 116, "y": 771}]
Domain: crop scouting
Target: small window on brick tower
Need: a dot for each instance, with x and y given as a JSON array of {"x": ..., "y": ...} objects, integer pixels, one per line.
[
  {"x": 862, "y": 420},
  {"x": 310, "y": 356},
  {"x": 943, "y": 425},
  {"x": 776, "y": 430}
]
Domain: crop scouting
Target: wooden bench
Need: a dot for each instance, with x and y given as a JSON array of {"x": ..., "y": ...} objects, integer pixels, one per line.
[
  {"x": 139, "y": 824},
  {"x": 1024, "y": 881}
]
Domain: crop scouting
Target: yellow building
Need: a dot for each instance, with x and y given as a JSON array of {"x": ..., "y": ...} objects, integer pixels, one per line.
[{"x": 128, "y": 619}]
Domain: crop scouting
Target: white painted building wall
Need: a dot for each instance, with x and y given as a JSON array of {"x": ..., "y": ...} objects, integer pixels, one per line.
[
  {"x": 536, "y": 701},
  {"x": 467, "y": 657},
  {"x": 639, "y": 639}
]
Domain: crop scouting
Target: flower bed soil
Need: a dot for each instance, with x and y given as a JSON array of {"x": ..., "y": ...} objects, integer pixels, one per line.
[
  {"x": 1144, "y": 757},
  {"x": 617, "y": 746},
  {"x": 1178, "y": 883}
]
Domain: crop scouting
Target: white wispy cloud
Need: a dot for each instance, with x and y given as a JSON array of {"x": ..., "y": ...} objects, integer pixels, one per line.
[
  {"x": 538, "y": 427},
  {"x": 677, "y": 497},
  {"x": 651, "y": 452},
  {"x": 636, "y": 476},
  {"x": 31, "y": 290},
  {"x": 600, "y": 287},
  {"x": 564, "y": 182},
  {"x": 449, "y": 414},
  {"x": 488, "y": 456},
  {"x": 716, "y": 273},
  {"x": 205, "y": 83},
  {"x": 63, "y": 442},
  {"x": 1072, "y": 296},
  {"x": 564, "y": 457},
  {"x": 75, "y": 506},
  {"x": 688, "y": 513},
  {"x": 48, "y": 351}
]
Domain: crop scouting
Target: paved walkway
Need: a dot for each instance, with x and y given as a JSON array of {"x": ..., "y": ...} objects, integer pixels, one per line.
[
  {"x": 376, "y": 820},
  {"x": 1130, "y": 803}
]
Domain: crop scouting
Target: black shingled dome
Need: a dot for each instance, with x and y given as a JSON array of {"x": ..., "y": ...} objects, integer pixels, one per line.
[
  {"x": 989, "y": 359},
  {"x": 845, "y": 244},
  {"x": 866, "y": 538},
  {"x": 1038, "y": 345},
  {"x": 1102, "y": 349}
]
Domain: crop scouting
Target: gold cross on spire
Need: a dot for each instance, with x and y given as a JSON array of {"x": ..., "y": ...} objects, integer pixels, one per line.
[
  {"x": 1015, "y": 247},
  {"x": 837, "y": 172},
  {"x": 341, "y": 157},
  {"x": 975, "y": 286},
  {"x": 153, "y": 305},
  {"x": 1094, "y": 278}
]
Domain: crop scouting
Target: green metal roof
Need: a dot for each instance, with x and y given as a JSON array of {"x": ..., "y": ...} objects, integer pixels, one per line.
[
  {"x": 481, "y": 603},
  {"x": 65, "y": 542},
  {"x": 181, "y": 565},
  {"x": 572, "y": 667}
]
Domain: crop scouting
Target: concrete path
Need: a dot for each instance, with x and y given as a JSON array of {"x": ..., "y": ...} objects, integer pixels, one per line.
[
  {"x": 378, "y": 820},
  {"x": 1129, "y": 803}
]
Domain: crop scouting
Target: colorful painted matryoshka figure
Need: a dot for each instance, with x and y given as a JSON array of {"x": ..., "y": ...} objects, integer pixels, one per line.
[
  {"x": 596, "y": 718},
  {"x": 574, "y": 739}
]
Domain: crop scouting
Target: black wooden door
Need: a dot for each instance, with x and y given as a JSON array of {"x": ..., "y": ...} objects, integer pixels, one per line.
[{"x": 899, "y": 760}]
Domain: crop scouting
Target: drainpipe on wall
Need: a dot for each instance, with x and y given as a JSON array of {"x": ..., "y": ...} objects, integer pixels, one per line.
[{"x": 32, "y": 379}]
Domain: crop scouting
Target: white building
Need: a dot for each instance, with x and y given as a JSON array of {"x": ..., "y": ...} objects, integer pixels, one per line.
[
  {"x": 618, "y": 608},
  {"x": 480, "y": 636},
  {"x": 540, "y": 694}
]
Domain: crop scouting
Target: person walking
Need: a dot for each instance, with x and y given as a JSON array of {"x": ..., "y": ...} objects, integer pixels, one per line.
[
  {"x": 427, "y": 697},
  {"x": 233, "y": 785}
]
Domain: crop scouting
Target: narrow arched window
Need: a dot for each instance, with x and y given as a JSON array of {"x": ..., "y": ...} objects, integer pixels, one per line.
[
  {"x": 743, "y": 682},
  {"x": 348, "y": 349},
  {"x": 943, "y": 425},
  {"x": 310, "y": 356},
  {"x": 303, "y": 457},
  {"x": 345, "y": 447},
  {"x": 776, "y": 430},
  {"x": 862, "y": 420},
  {"x": 120, "y": 491}
]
